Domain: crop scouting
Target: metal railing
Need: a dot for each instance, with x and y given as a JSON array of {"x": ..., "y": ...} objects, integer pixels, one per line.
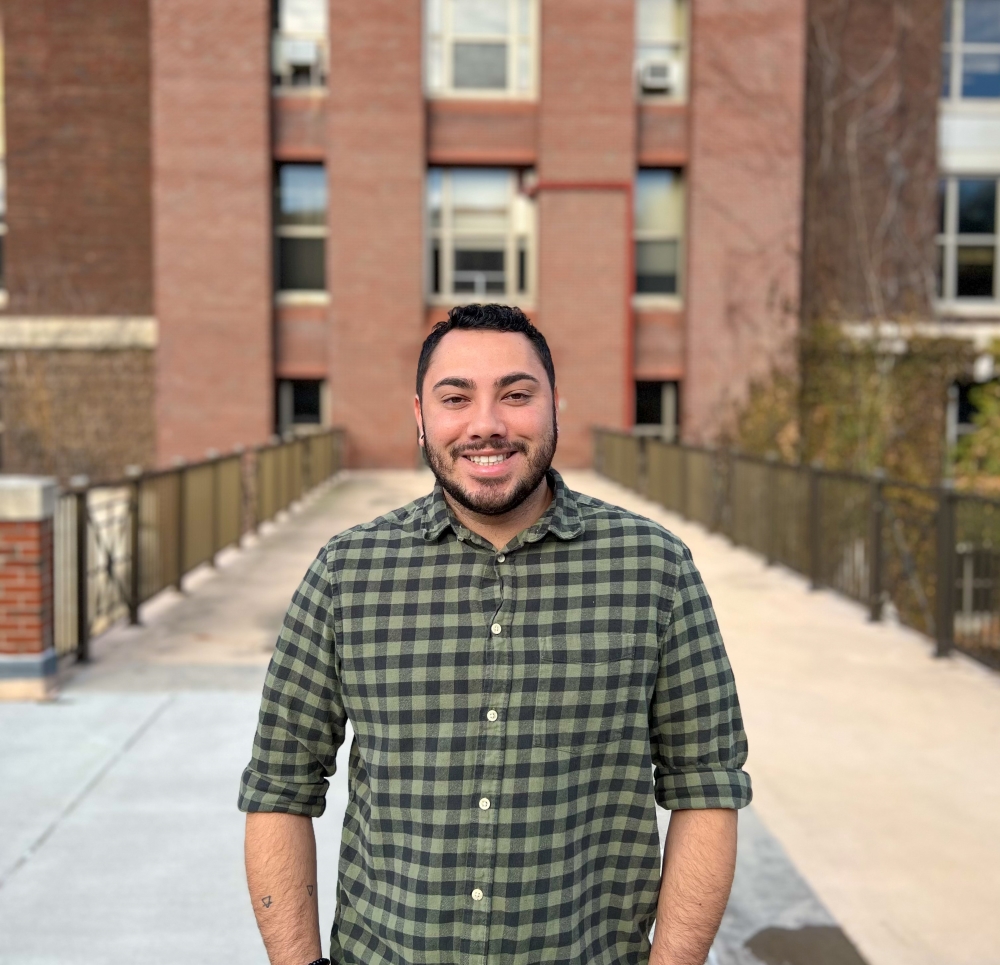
[
  {"x": 881, "y": 542},
  {"x": 120, "y": 543}
]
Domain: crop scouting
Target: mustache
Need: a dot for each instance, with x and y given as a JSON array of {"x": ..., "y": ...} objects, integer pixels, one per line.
[{"x": 517, "y": 446}]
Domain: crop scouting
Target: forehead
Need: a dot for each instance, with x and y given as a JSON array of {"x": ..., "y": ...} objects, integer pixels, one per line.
[{"x": 483, "y": 357}]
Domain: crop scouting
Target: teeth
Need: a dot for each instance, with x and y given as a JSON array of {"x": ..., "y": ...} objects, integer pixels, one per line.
[{"x": 487, "y": 460}]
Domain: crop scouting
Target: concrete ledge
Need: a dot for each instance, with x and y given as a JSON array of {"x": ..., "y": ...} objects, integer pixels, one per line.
[
  {"x": 25, "y": 666},
  {"x": 78, "y": 332},
  {"x": 27, "y": 499},
  {"x": 30, "y": 676}
]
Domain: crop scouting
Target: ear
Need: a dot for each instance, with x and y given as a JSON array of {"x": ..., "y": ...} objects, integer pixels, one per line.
[{"x": 419, "y": 416}]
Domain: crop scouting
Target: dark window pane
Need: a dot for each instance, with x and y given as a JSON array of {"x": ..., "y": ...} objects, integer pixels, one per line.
[
  {"x": 480, "y": 271},
  {"x": 522, "y": 268},
  {"x": 480, "y": 66},
  {"x": 301, "y": 264},
  {"x": 306, "y": 401},
  {"x": 982, "y": 21},
  {"x": 977, "y": 206},
  {"x": 656, "y": 267},
  {"x": 648, "y": 403},
  {"x": 301, "y": 194},
  {"x": 436, "y": 268},
  {"x": 947, "y": 20},
  {"x": 939, "y": 272},
  {"x": 942, "y": 202},
  {"x": 974, "y": 274},
  {"x": 981, "y": 75},
  {"x": 946, "y": 74}
]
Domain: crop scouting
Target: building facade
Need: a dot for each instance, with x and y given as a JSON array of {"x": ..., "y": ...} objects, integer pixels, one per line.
[{"x": 226, "y": 219}]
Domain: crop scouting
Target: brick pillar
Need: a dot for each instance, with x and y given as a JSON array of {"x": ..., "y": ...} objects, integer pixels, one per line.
[{"x": 27, "y": 654}]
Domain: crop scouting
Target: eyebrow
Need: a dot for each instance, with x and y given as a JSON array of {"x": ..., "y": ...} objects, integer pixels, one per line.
[{"x": 501, "y": 383}]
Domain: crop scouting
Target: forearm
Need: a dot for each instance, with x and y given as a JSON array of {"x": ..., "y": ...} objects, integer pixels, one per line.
[
  {"x": 698, "y": 865},
  {"x": 281, "y": 875}
]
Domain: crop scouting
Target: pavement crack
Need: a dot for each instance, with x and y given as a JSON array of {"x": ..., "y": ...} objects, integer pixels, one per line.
[{"x": 86, "y": 790}]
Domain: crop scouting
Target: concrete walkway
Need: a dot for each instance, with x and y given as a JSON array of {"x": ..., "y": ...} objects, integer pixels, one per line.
[{"x": 875, "y": 770}]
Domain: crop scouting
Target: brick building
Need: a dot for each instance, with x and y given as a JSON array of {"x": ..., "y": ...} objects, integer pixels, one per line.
[{"x": 228, "y": 217}]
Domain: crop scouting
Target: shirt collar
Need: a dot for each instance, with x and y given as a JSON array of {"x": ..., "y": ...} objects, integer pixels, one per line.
[{"x": 562, "y": 518}]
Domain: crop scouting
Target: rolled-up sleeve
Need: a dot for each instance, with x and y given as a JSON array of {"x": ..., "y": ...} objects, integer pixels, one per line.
[
  {"x": 697, "y": 740},
  {"x": 302, "y": 719}
]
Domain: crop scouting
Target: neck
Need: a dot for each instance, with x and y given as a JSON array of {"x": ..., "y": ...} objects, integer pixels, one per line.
[{"x": 500, "y": 530}]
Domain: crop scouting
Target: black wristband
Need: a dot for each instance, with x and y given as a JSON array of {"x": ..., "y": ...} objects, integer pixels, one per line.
[{"x": 321, "y": 961}]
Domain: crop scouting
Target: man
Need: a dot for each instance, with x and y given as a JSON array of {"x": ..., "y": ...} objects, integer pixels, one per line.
[{"x": 525, "y": 669}]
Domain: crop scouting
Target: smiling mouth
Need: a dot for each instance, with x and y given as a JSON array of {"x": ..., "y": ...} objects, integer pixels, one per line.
[{"x": 489, "y": 460}]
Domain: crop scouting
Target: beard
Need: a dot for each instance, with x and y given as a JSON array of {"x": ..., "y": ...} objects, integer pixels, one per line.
[{"x": 495, "y": 500}]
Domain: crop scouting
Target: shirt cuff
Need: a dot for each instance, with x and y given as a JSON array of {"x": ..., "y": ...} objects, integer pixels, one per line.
[
  {"x": 701, "y": 788},
  {"x": 259, "y": 793}
]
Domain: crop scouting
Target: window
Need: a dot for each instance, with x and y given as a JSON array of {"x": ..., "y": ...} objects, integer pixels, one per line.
[
  {"x": 300, "y": 403},
  {"x": 661, "y": 28},
  {"x": 971, "y": 51},
  {"x": 480, "y": 47},
  {"x": 301, "y": 227},
  {"x": 299, "y": 44},
  {"x": 480, "y": 234},
  {"x": 656, "y": 407},
  {"x": 659, "y": 228},
  {"x": 967, "y": 238}
]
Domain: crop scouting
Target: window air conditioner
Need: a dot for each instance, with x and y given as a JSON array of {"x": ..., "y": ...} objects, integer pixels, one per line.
[
  {"x": 297, "y": 52},
  {"x": 656, "y": 77}
]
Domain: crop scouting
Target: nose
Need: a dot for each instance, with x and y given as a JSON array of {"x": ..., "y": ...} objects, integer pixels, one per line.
[{"x": 486, "y": 422}]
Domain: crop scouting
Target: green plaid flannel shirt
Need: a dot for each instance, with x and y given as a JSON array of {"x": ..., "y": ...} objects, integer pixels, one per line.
[{"x": 515, "y": 714}]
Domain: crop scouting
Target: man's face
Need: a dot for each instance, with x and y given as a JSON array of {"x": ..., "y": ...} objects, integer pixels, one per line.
[{"x": 488, "y": 419}]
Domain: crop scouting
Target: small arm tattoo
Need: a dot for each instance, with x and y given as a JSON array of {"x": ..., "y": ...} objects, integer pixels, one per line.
[
  {"x": 310, "y": 889},
  {"x": 266, "y": 901}
]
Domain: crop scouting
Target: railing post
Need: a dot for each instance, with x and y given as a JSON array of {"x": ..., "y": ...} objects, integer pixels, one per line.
[
  {"x": 181, "y": 523},
  {"x": 682, "y": 463},
  {"x": 815, "y": 526},
  {"x": 876, "y": 517},
  {"x": 215, "y": 506},
  {"x": 770, "y": 513},
  {"x": 135, "y": 553},
  {"x": 946, "y": 569},
  {"x": 80, "y": 484}
]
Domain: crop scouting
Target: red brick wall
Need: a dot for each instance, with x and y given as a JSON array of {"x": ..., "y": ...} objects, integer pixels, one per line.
[
  {"x": 212, "y": 197},
  {"x": 474, "y": 132},
  {"x": 659, "y": 345},
  {"x": 25, "y": 586},
  {"x": 77, "y": 105},
  {"x": 587, "y": 135},
  {"x": 300, "y": 126},
  {"x": 744, "y": 201},
  {"x": 663, "y": 135},
  {"x": 375, "y": 248},
  {"x": 300, "y": 338}
]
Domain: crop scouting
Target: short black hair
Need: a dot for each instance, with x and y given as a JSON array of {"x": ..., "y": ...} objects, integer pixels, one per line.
[{"x": 485, "y": 318}]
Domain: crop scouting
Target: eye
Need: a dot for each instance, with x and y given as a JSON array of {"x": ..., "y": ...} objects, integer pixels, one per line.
[{"x": 518, "y": 396}]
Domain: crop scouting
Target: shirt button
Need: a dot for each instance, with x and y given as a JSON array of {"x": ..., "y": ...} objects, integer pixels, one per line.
[
  {"x": 496, "y": 628},
  {"x": 477, "y": 894},
  {"x": 484, "y": 804},
  {"x": 501, "y": 558},
  {"x": 491, "y": 715}
]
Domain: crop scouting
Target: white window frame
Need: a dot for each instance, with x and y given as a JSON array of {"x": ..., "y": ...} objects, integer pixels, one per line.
[
  {"x": 957, "y": 48},
  {"x": 294, "y": 295},
  {"x": 438, "y": 45},
  {"x": 677, "y": 53},
  {"x": 286, "y": 39},
  {"x": 949, "y": 240},
  {"x": 519, "y": 234},
  {"x": 661, "y": 299}
]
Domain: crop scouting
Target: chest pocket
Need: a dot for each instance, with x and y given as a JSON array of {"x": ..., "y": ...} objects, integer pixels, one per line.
[{"x": 584, "y": 684}]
